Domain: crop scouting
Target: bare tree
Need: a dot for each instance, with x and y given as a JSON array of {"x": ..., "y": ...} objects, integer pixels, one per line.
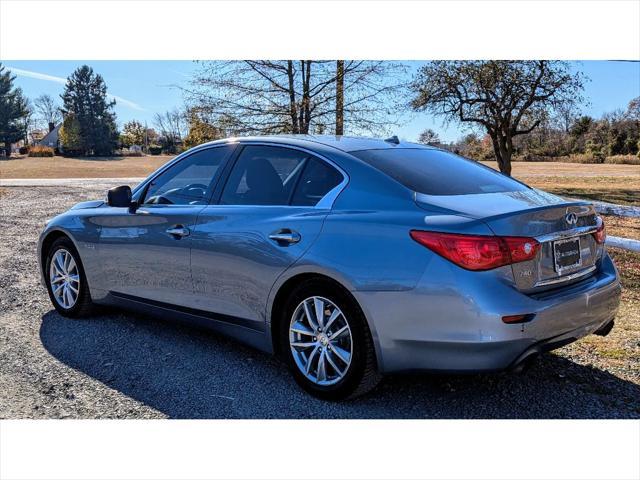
[
  {"x": 47, "y": 110},
  {"x": 429, "y": 137},
  {"x": 171, "y": 126},
  {"x": 507, "y": 98},
  {"x": 297, "y": 96}
]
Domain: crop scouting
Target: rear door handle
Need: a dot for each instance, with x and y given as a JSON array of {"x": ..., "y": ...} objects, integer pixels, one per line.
[
  {"x": 178, "y": 231},
  {"x": 285, "y": 237}
]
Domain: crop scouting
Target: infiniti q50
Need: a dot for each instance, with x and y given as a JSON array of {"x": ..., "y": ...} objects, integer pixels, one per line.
[{"x": 347, "y": 257}]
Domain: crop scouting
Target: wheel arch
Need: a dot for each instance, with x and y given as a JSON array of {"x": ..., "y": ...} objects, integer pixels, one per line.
[
  {"x": 46, "y": 242},
  {"x": 284, "y": 289}
]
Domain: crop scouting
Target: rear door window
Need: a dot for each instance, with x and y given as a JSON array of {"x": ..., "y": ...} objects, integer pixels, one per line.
[
  {"x": 263, "y": 175},
  {"x": 435, "y": 172}
]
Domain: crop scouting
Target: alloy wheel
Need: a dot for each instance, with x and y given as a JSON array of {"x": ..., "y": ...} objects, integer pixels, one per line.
[
  {"x": 320, "y": 340},
  {"x": 64, "y": 278}
]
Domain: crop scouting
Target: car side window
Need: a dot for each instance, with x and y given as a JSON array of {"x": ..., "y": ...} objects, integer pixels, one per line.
[
  {"x": 264, "y": 175},
  {"x": 318, "y": 179},
  {"x": 189, "y": 182}
]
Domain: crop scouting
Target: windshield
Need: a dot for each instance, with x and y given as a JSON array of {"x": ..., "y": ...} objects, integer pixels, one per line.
[{"x": 435, "y": 172}]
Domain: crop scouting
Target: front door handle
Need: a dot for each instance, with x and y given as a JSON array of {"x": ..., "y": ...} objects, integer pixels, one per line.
[
  {"x": 285, "y": 237},
  {"x": 178, "y": 231}
]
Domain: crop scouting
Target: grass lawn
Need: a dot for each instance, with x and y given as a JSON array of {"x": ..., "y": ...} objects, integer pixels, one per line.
[
  {"x": 94, "y": 167},
  {"x": 621, "y": 190},
  {"x": 620, "y": 350}
]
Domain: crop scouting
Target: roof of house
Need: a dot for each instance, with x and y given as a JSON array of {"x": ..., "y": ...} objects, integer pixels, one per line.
[{"x": 51, "y": 138}]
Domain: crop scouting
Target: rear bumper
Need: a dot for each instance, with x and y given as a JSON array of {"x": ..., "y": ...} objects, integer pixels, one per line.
[{"x": 454, "y": 323}]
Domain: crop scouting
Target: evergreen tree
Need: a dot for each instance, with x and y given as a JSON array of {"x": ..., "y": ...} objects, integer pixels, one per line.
[
  {"x": 85, "y": 97},
  {"x": 13, "y": 110}
]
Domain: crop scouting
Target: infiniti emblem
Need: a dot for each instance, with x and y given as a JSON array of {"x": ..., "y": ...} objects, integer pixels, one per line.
[{"x": 571, "y": 218}]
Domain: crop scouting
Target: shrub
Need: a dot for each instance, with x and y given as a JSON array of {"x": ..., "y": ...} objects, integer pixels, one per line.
[
  {"x": 155, "y": 149},
  {"x": 623, "y": 159},
  {"x": 23, "y": 150},
  {"x": 41, "y": 151}
]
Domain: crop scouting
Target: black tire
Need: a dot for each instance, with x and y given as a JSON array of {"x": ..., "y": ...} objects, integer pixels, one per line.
[
  {"x": 83, "y": 306},
  {"x": 362, "y": 375}
]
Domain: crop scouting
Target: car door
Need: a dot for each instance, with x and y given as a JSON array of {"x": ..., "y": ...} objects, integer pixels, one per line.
[
  {"x": 145, "y": 253},
  {"x": 267, "y": 213}
]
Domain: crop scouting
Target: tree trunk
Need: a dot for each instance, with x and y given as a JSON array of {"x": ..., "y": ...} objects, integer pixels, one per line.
[
  {"x": 503, "y": 148},
  {"x": 339, "y": 97},
  {"x": 292, "y": 98}
]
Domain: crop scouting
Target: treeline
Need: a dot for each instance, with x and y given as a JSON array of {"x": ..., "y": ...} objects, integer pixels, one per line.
[
  {"x": 613, "y": 138},
  {"x": 521, "y": 110}
]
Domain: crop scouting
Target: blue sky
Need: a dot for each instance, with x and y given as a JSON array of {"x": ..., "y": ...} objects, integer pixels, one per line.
[{"x": 142, "y": 88}]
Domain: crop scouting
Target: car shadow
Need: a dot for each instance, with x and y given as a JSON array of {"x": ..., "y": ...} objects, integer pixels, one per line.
[{"x": 186, "y": 372}]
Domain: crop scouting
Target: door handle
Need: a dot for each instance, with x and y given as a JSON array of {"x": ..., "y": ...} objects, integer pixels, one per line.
[
  {"x": 285, "y": 237},
  {"x": 178, "y": 231}
]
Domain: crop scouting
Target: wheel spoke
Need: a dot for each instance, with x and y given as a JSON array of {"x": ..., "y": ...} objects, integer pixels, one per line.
[
  {"x": 341, "y": 354},
  {"x": 336, "y": 334},
  {"x": 309, "y": 316},
  {"x": 72, "y": 288},
  {"x": 319, "y": 309},
  {"x": 74, "y": 278},
  {"x": 301, "y": 329},
  {"x": 67, "y": 296},
  {"x": 57, "y": 279},
  {"x": 322, "y": 367},
  {"x": 310, "y": 360},
  {"x": 67, "y": 257},
  {"x": 333, "y": 364},
  {"x": 72, "y": 264},
  {"x": 335, "y": 314},
  {"x": 58, "y": 288},
  {"x": 303, "y": 344},
  {"x": 58, "y": 262}
]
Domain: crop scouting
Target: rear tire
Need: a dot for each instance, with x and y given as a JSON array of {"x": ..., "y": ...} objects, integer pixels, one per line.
[
  {"x": 344, "y": 347},
  {"x": 66, "y": 281}
]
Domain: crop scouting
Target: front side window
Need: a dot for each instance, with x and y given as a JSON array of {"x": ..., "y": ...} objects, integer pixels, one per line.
[
  {"x": 434, "y": 172},
  {"x": 190, "y": 181}
]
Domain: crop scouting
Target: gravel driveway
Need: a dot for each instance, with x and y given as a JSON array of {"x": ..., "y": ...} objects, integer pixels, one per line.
[{"x": 120, "y": 365}]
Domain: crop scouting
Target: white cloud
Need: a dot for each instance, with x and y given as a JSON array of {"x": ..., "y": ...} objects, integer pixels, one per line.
[{"x": 50, "y": 78}]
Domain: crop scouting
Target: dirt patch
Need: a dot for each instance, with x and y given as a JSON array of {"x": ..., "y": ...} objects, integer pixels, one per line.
[{"x": 97, "y": 167}]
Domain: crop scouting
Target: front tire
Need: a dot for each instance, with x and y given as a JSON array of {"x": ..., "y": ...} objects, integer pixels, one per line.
[
  {"x": 66, "y": 281},
  {"x": 326, "y": 342}
]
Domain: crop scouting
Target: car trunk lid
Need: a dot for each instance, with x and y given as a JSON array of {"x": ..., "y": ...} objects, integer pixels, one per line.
[{"x": 564, "y": 229}]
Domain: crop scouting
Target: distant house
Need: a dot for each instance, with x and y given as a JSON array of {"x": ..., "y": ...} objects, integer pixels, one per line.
[{"x": 51, "y": 139}]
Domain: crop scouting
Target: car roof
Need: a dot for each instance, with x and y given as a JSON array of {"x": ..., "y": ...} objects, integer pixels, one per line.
[{"x": 340, "y": 142}]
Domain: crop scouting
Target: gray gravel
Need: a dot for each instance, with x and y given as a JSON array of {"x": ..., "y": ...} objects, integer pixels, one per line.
[{"x": 120, "y": 365}]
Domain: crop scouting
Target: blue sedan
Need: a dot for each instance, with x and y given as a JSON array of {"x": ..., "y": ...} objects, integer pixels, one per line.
[{"x": 347, "y": 257}]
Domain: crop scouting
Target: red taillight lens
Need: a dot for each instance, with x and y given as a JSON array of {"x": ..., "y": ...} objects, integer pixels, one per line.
[
  {"x": 601, "y": 233},
  {"x": 478, "y": 252}
]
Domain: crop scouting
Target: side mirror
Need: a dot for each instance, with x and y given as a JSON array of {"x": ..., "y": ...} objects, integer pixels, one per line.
[{"x": 119, "y": 196}]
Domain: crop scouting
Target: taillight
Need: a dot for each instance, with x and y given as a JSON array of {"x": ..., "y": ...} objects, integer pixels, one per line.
[
  {"x": 478, "y": 252},
  {"x": 601, "y": 233}
]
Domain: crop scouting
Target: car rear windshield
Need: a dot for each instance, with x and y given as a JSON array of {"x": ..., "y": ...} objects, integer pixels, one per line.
[{"x": 435, "y": 172}]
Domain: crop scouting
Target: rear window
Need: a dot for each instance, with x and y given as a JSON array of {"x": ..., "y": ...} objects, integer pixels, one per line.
[{"x": 434, "y": 172}]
